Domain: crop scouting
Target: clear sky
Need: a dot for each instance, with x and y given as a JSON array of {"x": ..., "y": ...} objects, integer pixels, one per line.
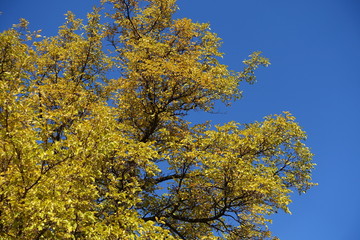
[{"x": 314, "y": 48}]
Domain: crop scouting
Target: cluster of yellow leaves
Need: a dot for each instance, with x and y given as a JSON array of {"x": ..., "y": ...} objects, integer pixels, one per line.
[
  {"x": 59, "y": 142},
  {"x": 249, "y": 169},
  {"x": 93, "y": 144}
]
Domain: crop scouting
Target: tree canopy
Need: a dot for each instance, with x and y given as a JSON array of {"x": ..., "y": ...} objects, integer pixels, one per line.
[{"x": 94, "y": 143}]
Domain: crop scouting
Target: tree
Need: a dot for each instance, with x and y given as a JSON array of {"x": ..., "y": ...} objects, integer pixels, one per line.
[{"x": 94, "y": 144}]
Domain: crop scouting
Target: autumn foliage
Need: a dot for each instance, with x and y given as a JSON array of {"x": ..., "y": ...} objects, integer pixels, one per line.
[{"x": 94, "y": 144}]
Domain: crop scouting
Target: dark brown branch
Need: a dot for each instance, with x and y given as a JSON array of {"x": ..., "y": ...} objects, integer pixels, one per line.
[
  {"x": 169, "y": 177},
  {"x": 128, "y": 16},
  {"x": 174, "y": 230},
  {"x": 200, "y": 220}
]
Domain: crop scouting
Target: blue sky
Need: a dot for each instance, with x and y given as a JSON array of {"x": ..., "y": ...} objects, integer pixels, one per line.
[{"x": 314, "y": 48}]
